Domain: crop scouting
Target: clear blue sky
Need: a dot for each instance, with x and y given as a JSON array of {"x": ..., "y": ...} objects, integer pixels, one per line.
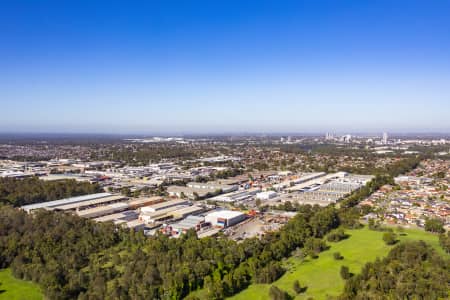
[{"x": 224, "y": 66}]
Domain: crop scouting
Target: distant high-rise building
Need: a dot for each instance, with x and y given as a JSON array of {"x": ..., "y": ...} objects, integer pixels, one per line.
[
  {"x": 385, "y": 138},
  {"x": 346, "y": 138}
]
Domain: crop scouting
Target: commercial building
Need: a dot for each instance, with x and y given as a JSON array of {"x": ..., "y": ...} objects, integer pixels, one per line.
[{"x": 225, "y": 218}]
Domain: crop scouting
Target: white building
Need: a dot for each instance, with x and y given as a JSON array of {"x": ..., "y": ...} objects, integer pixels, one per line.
[
  {"x": 225, "y": 218},
  {"x": 266, "y": 195},
  {"x": 385, "y": 138}
]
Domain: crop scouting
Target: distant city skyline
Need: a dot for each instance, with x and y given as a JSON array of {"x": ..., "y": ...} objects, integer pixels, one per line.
[{"x": 225, "y": 67}]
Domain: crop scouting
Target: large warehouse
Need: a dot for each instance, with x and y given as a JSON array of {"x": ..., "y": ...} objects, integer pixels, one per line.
[
  {"x": 66, "y": 201},
  {"x": 163, "y": 205},
  {"x": 225, "y": 218}
]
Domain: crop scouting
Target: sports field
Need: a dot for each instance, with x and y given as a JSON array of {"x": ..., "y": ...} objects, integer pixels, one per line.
[
  {"x": 16, "y": 289},
  {"x": 322, "y": 275}
]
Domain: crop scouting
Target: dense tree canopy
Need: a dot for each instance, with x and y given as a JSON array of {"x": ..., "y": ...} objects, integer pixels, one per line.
[
  {"x": 412, "y": 270},
  {"x": 72, "y": 257},
  {"x": 434, "y": 225},
  {"x": 18, "y": 192}
]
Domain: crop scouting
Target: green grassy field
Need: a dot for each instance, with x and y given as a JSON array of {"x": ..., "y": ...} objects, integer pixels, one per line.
[
  {"x": 321, "y": 276},
  {"x": 15, "y": 289}
]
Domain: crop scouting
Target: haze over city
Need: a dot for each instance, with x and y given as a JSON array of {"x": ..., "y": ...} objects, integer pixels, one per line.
[{"x": 231, "y": 66}]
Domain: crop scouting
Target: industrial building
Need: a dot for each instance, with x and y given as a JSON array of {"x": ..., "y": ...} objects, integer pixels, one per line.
[
  {"x": 171, "y": 212},
  {"x": 326, "y": 189},
  {"x": 195, "y": 190},
  {"x": 160, "y": 215},
  {"x": 237, "y": 195},
  {"x": 66, "y": 201},
  {"x": 90, "y": 203},
  {"x": 163, "y": 205},
  {"x": 266, "y": 195},
  {"x": 191, "y": 222},
  {"x": 134, "y": 224},
  {"x": 225, "y": 218},
  {"x": 102, "y": 210},
  {"x": 305, "y": 177},
  {"x": 127, "y": 215},
  {"x": 137, "y": 203},
  {"x": 212, "y": 186},
  {"x": 184, "y": 212}
]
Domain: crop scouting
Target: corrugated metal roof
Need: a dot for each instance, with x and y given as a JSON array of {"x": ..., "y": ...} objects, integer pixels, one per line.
[
  {"x": 65, "y": 201},
  {"x": 89, "y": 202}
]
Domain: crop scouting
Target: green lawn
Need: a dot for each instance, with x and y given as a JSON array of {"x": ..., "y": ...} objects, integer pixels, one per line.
[
  {"x": 16, "y": 289},
  {"x": 322, "y": 276}
]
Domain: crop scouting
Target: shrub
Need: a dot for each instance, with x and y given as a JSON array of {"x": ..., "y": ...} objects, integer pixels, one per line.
[
  {"x": 345, "y": 273},
  {"x": 276, "y": 293},
  {"x": 390, "y": 238},
  {"x": 298, "y": 288},
  {"x": 337, "y": 256},
  {"x": 337, "y": 235}
]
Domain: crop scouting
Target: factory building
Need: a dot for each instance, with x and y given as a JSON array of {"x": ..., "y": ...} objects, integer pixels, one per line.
[{"x": 225, "y": 218}]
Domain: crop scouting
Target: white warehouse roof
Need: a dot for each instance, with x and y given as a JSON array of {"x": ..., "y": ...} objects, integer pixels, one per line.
[
  {"x": 65, "y": 201},
  {"x": 226, "y": 214}
]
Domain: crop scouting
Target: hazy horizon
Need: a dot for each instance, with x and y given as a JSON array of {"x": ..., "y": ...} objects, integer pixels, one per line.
[{"x": 221, "y": 133}]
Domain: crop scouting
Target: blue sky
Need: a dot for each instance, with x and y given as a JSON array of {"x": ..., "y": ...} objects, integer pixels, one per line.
[{"x": 224, "y": 66}]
